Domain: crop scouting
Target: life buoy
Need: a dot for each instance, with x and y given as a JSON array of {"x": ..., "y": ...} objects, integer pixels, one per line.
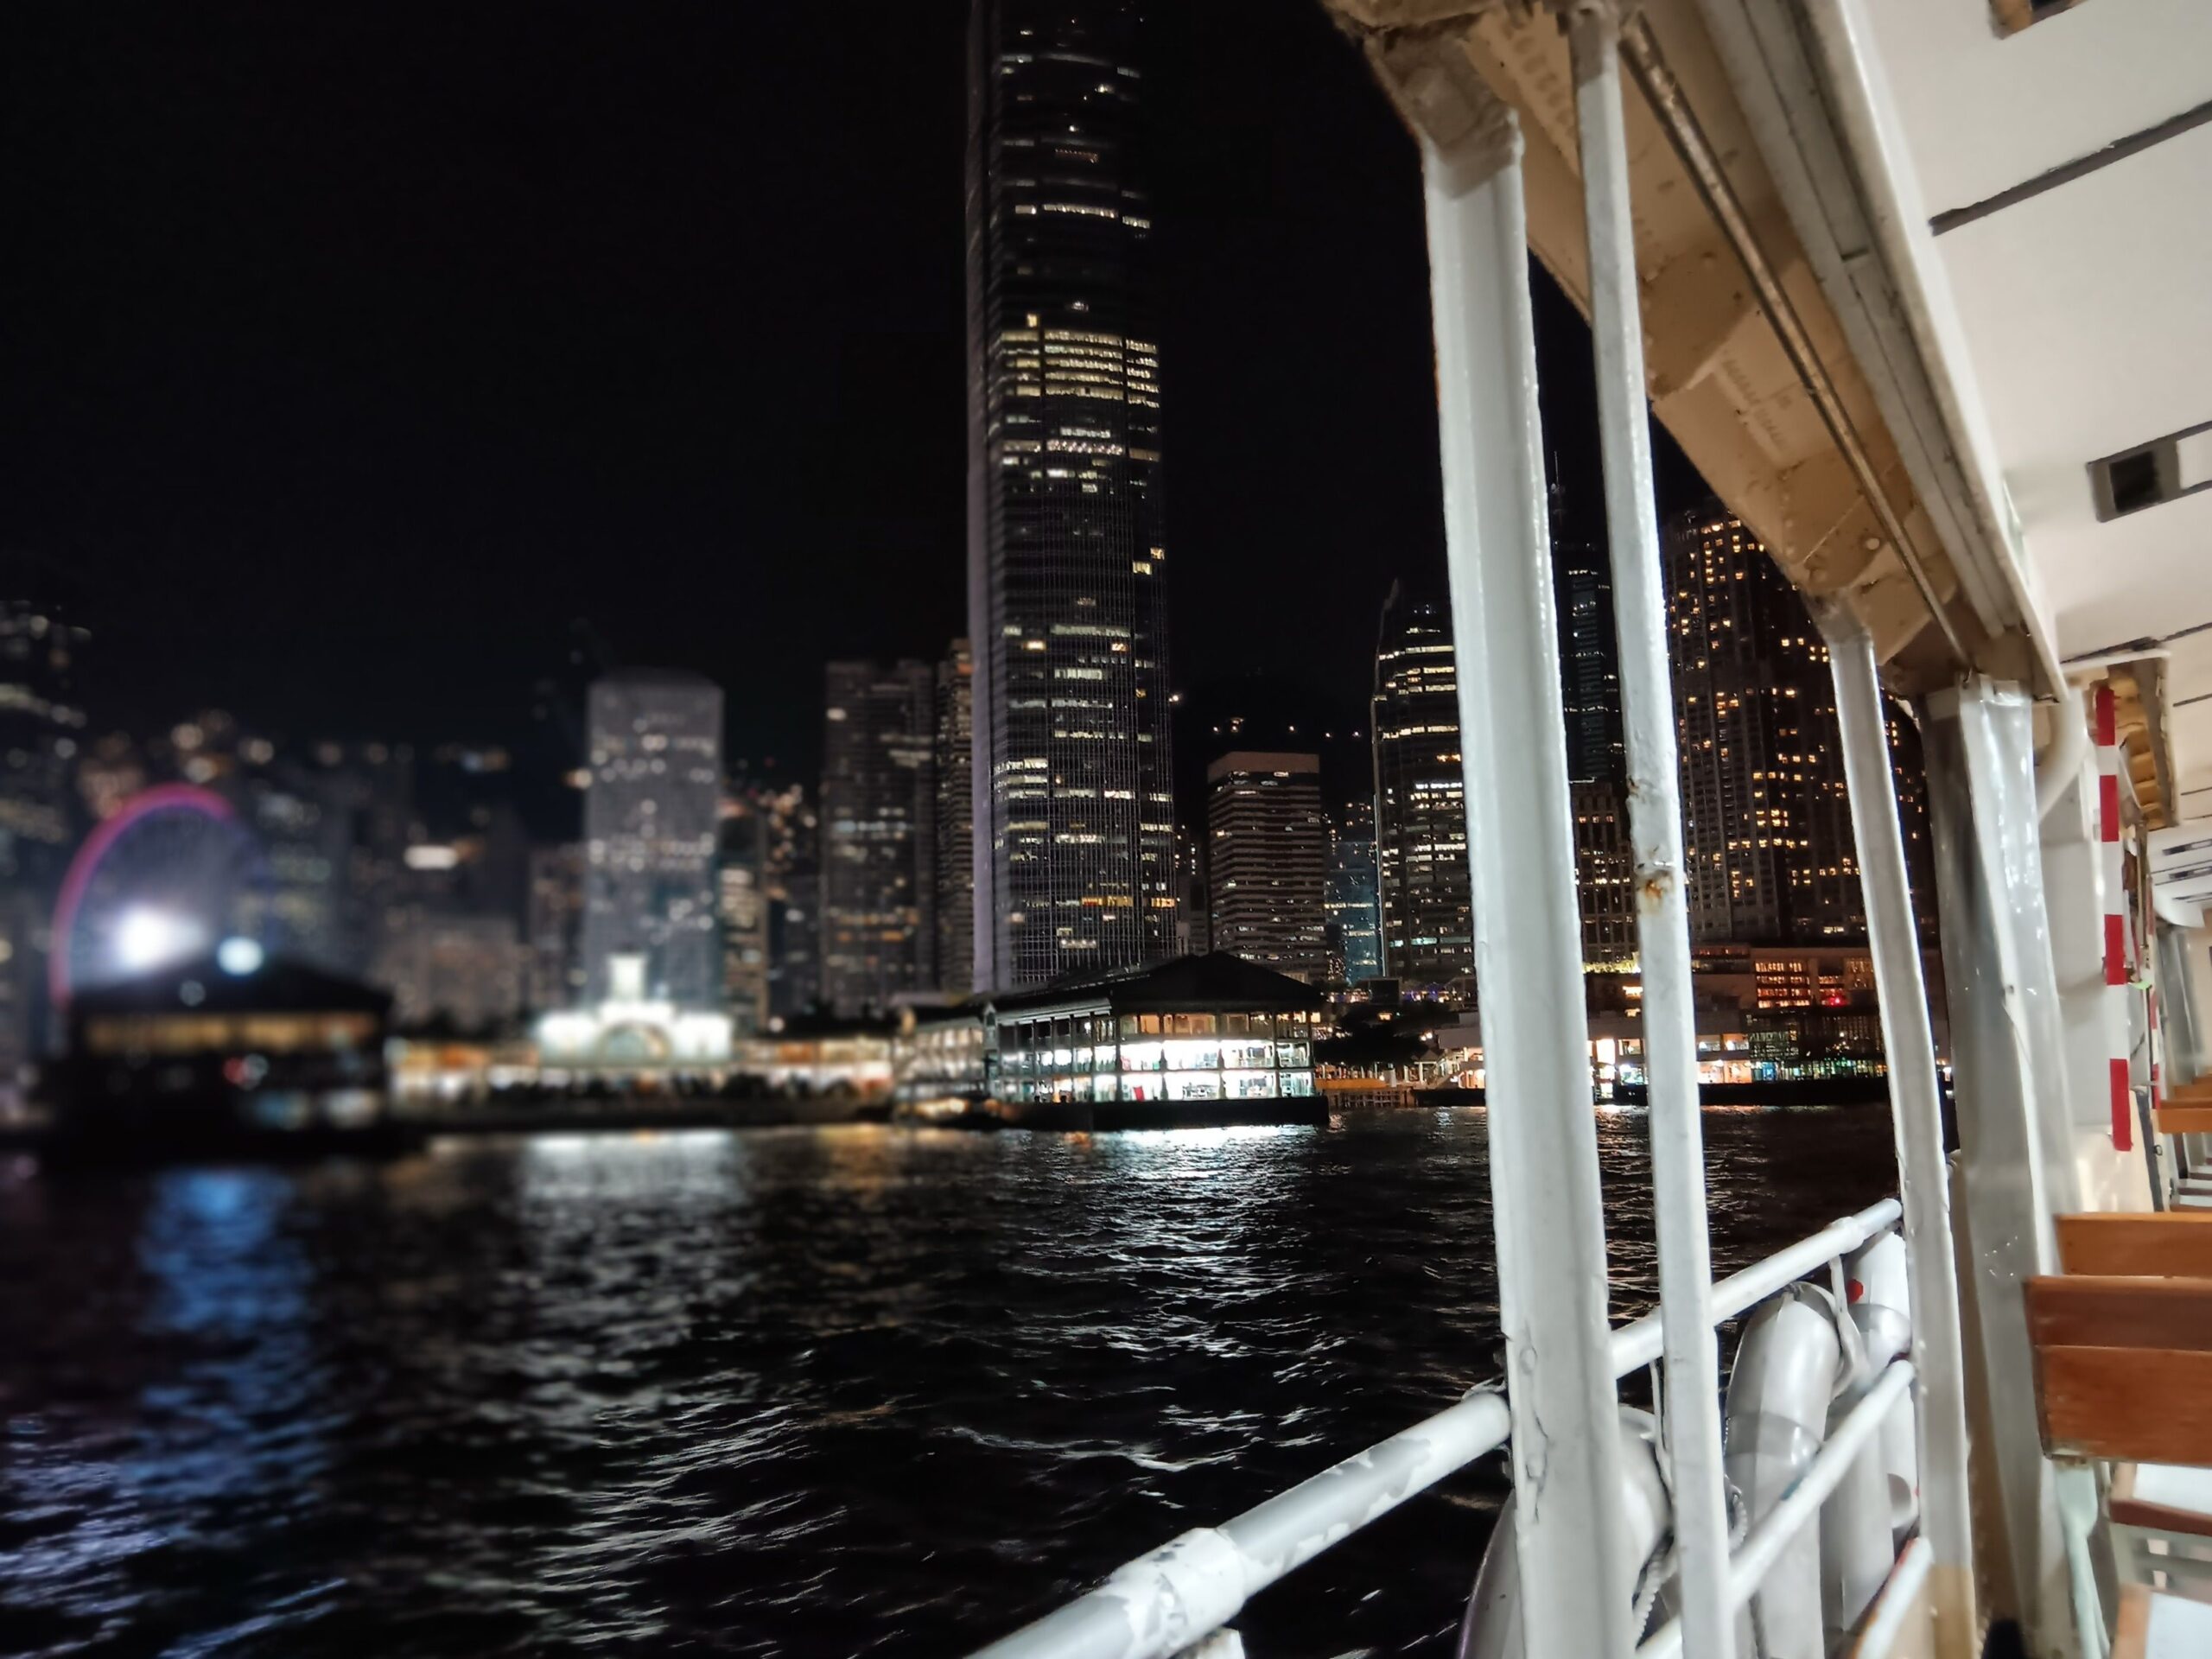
[
  {"x": 1787, "y": 1368},
  {"x": 1860, "y": 1522},
  {"x": 1880, "y": 1286},
  {"x": 1491, "y": 1627}
]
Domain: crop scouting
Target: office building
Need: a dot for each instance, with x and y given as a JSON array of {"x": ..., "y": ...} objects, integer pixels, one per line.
[
  {"x": 1354, "y": 931},
  {"x": 650, "y": 821},
  {"x": 41, "y": 730},
  {"x": 1267, "y": 857},
  {"x": 1074, "y": 808},
  {"x": 1766, "y": 817},
  {"x": 954, "y": 966},
  {"x": 1420, "y": 816},
  {"x": 462, "y": 971},
  {"x": 554, "y": 929},
  {"x": 1589, "y": 661},
  {"x": 741, "y": 899},
  {"x": 1605, "y": 875},
  {"x": 878, "y": 835},
  {"x": 792, "y": 863}
]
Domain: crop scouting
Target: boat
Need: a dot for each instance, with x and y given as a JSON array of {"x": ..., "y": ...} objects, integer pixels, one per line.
[{"x": 1918, "y": 286}]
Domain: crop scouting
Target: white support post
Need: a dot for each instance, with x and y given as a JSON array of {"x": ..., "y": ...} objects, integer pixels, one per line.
[
  {"x": 1692, "y": 1416},
  {"x": 1917, "y": 1120},
  {"x": 1569, "y": 1535},
  {"x": 2016, "y": 1166}
]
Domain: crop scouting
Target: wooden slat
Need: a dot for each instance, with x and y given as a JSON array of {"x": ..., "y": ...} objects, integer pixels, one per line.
[
  {"x": 2123, "y": 1367},
  {"x": 2184, "y": 1119},
  {"x": 2151, "y": 1404},
  {"x": 2131, "y": 1312},
  {"x": 2124, "y": 1508},
  {"x": 2174, "y": 1245}
]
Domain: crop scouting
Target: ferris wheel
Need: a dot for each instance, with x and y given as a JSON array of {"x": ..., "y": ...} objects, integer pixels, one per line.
[{"x": 173, "y": 875}]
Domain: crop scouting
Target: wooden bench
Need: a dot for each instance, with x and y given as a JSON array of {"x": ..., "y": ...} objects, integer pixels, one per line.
[
  {"x": 2175, "y": 1245},
  {"x": 2123, "y": 1367}
]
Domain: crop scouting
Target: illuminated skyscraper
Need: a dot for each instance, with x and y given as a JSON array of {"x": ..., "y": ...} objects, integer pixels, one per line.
[
  {"x": 1766, "y": 816},
  {"x": 955, "y": 967},
  {"x": 1349, "y": 897},
  {"x": 1267, "y": 854},
  {"x": 1420, "y": 814},
  {"x": 1589, "y": 661},
  {"x": 740, "y": 888},
  {"x": 650, "y": 821},
  {"x": 879, "y": 833},
  {"x": 1067, "y": 562}
]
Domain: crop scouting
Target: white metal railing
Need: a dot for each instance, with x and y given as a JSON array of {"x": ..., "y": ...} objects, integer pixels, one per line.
[{"x": 1160, "y": 1604}]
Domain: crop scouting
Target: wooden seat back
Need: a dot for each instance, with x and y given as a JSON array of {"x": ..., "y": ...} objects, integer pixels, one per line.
[
  {"x": 2175, "y": 1245},
  {"x": 2123, "y": 1367}
]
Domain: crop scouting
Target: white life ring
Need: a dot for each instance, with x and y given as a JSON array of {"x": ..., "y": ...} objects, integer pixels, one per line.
[
  {"x": 1787, "y": 1368},
  {"x": 1491, "y": 1628}
]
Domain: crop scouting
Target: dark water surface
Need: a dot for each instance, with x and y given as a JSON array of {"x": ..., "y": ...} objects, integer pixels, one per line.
[{"x": 783, "y": 1392}]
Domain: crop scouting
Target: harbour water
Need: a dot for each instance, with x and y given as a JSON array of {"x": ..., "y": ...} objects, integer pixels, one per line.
[{"x": 805, "y": 1391}]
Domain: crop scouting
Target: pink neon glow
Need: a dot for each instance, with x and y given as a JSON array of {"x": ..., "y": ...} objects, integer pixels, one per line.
[{"x": 163, "y": 798}]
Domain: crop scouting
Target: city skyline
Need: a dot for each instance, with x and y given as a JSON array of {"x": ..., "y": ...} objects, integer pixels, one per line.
[{"x": 333, "y": 425}]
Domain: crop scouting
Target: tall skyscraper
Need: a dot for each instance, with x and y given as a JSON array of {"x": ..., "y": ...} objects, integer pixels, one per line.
[
  {"x": 554, "y": 929},
  {"x": 1350, "y": 898},
  {"x": 792, "y": 866},
  {"x": 42, "y": 728},
  {"x": 1267, "y": 857},
  {"x": 740, "y": 889},
  {"x": 1605, "y": 874},
  {"x": 1766, "y": 815},
  {"x": 1589, "y": 661},
  {"x": 1420, "y": 816},
  {"x": 649, "y": 820},
  {"x": 955, "y": 967},
  {"x": 1074, "y": 807},
  {"x": 879, "y": 834}
]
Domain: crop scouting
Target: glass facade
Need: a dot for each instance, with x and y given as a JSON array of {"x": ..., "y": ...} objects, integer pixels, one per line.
[
  {"x": 650, "y": 828},
  {"x": 1093, "y": 1053},
  {"x": 1421, "y": 813},
  {"x": 878, "y": 835},
  {"x": 1074, "y": 821},
  {"x": 1766, "y": 817}
]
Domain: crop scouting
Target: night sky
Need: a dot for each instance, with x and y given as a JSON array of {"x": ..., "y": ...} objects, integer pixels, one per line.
[{"x": 351, "y": 353}]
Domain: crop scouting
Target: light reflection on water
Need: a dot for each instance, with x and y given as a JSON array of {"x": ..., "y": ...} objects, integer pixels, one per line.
[{"x": 786, "y": 1392}]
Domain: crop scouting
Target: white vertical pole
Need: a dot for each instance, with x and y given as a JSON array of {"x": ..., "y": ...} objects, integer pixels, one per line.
[
  {"x": 2014, "y": 1174},
  {"x": 1917, "y": 1119},
  {"x": 1569, "y": 1535},
  {"x": 1678, "y": 1196}
]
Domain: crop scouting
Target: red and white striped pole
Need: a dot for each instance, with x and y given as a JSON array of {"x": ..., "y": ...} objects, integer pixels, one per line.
[{"x": 2115, "y": 902}]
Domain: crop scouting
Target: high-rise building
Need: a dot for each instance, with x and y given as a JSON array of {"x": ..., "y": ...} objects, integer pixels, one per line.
[
  {"x": 42, "y": 728},
  {"x": 464, "y": 969},
  {"x": 742, "y": 898},
  {"x": 1074, "y": 808},
  {"x": 555, "y": 928},
  {"x": 1766, "y": 815},
  {"x": 1589, "y": 661},
  {"x": 1193, "y": 913},
  {"x": 956, "y": 822},
  {"x": 649, "y": 820},
  {"x": 1605, "y": 874},
  {"x": 1420, "y": 814},
  {"x": 791, "y": 865},
  {"x": 1349, "y": 897},
  {"x": 1268, "y": 858},
  {"x": 878, "y": 835}
]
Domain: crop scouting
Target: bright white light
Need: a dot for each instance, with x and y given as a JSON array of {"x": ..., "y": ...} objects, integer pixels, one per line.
[
  {"x": 147, "y": 938},
  {"x": 430, "y": 855},
  {"x": 236, "y": 956}
]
